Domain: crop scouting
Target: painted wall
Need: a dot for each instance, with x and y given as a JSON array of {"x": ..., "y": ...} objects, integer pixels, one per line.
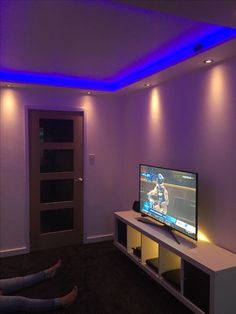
[
  {"x": 13, "y": 183},
  {"x": 103, "y": 137},
  {"x": 186, "y": 123},
  {"x": 189, "y": 123}
]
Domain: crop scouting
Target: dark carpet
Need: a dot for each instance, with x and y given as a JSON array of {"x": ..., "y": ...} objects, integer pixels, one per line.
[{"x": 108, "y": 281}]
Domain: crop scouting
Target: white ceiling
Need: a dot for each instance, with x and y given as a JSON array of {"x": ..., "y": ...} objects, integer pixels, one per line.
[
  {"x": 102, "y": 39},
  {"x": 220, "y": 12}
]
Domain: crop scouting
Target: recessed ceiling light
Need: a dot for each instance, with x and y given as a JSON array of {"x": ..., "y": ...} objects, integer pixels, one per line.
[
  {"x": 147, "y": 84},
  {"x": 89, "y": 92},
  {"x": 8, "y": 85},
  {"x": 208, "y": 61}
]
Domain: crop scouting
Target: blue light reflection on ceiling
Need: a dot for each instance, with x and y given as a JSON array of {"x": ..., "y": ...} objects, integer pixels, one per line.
[{"x": 219, "y": 36}]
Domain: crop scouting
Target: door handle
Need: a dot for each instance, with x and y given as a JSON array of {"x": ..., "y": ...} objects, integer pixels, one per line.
[{"x": 78, "y": 179}]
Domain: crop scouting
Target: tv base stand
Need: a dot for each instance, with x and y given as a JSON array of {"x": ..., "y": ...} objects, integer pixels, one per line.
[
  {"x": 201, "y": 276},
  {"x": 171, "y": 231},
  {"x": 150, "y": 222}
]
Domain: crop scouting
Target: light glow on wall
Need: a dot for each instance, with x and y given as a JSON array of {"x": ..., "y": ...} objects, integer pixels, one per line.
[
  {"x": 216, "y": 104},
  {"x": 156, "y": 136},
  {"x": 216, "y": 87},
  {"x": 9, "y": 105},
  {"x": 89, "y": 108},
  {"x": 202, "y": 236},
  {"x": 155, "y": 108}
]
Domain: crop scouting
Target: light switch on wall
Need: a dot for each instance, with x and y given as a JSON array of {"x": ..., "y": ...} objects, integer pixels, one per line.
[{"x": 91, "y": 158}]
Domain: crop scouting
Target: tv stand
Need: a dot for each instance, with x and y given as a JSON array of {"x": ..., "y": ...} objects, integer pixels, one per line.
[
  {"x": 153, "y": 223},
  {"x": 196, "y": 275},
  {"x": 147, "y": 221},
  {"x": 171, "y": 231}
]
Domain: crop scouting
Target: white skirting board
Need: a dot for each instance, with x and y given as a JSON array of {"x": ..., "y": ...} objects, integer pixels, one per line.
[
  {"x": 15, "y": 251},
  {"x": 99, "y": 238}
]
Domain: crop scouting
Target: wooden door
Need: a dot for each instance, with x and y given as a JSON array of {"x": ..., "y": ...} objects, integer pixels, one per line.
[{"x": 56, "y": 178}]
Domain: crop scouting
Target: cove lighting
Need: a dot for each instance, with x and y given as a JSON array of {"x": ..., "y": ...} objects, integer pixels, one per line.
[
  {"x": 55, "y": 80},
  {"x": 217, "y": 36}
]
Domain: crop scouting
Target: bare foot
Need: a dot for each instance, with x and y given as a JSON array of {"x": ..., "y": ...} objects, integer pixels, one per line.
[
  {"x": 52, "y": 270},
  {"x": 69, "y": 298}
]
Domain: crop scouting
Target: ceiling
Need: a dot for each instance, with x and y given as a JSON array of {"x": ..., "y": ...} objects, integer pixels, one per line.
[
  {"x": 220, "y": 12},
  {"x": 110, "y": 45}
]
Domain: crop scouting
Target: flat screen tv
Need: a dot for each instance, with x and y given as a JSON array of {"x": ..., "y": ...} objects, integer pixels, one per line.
[{"x": 169, "y": 196}]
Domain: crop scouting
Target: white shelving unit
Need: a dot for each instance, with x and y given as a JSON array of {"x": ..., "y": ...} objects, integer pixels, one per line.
[{"x": 201, "y": 275}]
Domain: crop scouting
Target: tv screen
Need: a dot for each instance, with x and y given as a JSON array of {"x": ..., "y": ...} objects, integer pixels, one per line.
[{"x": 170, "y": 197}]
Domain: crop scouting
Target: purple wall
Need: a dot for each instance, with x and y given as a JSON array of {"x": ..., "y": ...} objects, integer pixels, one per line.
[
  {"x": 186, "y": 123},
  {"x": 103, "y": 137},
  {"x": 189, "y": 123}
]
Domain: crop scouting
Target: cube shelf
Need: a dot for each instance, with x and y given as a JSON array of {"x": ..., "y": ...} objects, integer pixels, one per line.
[{"x": 201, "y": 275}]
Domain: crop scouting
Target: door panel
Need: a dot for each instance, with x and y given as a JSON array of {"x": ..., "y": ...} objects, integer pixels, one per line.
[
  {"x": 56, "y": 130},
  {"x": 56, "y": 190},
  {"x": 56, "y": 160},
  {"x": 56, "y": 163},
  {"x": 56, "y": 220}
]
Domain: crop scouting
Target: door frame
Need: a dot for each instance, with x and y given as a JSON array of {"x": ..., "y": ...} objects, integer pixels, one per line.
[{"x": 51, "y": 111}]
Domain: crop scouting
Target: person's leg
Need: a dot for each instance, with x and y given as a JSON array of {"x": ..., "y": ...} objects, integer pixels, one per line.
[
  {"x": 10, "y": 304},
  {"x": 10, "y": 285}
]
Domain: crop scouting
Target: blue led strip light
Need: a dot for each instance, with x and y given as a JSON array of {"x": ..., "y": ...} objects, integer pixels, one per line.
[
  {"x": 219, "y": 36},
  {"x": 205, "y": 43},
  {"x": 54, "y": 80}
]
